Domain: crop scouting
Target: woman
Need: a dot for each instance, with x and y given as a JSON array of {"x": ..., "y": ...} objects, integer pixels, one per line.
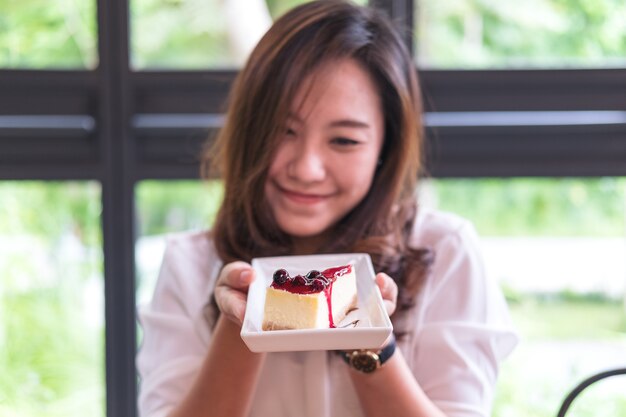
[{"x": 320, "y": 153}]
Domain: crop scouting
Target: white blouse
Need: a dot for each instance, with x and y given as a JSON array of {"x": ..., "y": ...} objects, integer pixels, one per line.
[{"x": 461, "y": 332}]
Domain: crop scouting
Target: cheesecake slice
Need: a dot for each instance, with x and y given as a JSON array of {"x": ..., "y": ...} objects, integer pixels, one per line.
[{"x": 317, "y": 300}]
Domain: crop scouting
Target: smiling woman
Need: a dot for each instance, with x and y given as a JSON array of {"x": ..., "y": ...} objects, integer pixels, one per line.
[{"x": 320, "y": 153}]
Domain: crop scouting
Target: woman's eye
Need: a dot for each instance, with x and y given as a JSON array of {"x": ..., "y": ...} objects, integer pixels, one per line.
[{"x": 345, "y": 142}]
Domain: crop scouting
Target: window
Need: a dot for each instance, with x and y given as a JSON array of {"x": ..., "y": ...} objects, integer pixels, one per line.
[
  {"x": 51, "y": 299},
  {"x": 200, "y": 34},
  {"x": 108, "y": 103},
  {"x": 507, "y": 34},
  {"x": 39, "y": 34}
]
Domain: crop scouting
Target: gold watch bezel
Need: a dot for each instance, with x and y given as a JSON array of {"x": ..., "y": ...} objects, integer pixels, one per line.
[{"x": 365, "y": 361}]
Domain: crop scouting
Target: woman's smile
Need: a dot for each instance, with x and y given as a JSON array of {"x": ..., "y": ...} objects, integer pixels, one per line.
[{"x": 303, "y": 198}]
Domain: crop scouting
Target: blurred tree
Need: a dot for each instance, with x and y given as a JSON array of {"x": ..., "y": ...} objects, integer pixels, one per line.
[
  {"x": 168, "y": 206},
  {"x": 49, "y": 209},
  {"x": 195, "y": 34},
  {"x": 51, "y": 316},
  {"x": 534, "y": 33},
  {"x": 43, "y": 34},
  {"x": 538, "y": 207}
]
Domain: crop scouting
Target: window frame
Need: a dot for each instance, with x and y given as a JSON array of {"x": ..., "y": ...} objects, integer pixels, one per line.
[{"x": 119, "y": 127}]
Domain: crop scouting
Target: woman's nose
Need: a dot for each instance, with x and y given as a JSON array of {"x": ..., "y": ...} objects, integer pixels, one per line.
[{"x": 307, "y": 164}]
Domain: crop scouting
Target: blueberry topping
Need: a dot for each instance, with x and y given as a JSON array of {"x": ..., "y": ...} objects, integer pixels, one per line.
[
  {"x": 311, "y": 275},
  {"x": 281, "y": 276},
  {"x": 299, "y": 280},
  {"x": 318, "y": 284}
]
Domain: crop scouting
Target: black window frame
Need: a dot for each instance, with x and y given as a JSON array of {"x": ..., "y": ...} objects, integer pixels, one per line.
[{"x": 119, "y": 126}]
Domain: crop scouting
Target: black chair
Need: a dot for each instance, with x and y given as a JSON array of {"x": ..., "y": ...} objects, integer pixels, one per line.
[{"x": 585, "y": 384}]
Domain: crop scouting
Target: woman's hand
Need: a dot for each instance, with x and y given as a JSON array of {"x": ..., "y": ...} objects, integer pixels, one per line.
[
  {"x": 231, "y": 290},
  {"x": 389, "y": 291}
]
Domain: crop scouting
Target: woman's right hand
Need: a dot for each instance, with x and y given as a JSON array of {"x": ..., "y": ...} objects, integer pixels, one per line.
[{"x": 231, "y": 290}]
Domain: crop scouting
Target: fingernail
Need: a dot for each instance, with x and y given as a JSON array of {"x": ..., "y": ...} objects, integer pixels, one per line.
[{"x": 245, "y": 276}]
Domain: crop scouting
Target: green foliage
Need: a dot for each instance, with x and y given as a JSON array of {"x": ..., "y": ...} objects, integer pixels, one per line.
[
  {"x": 52, "y": 355},
  {"x": 169, "y": 206},
  {"x": 538, "y": 207},
  {"x": 193, "y": 34},
  {"x": 526, "y": 388},
  {"x": 44, "y": 34},
  {"x": 546, "y": 33},
  {"x": 188, "y": 34},
  {"x": 554, "y": 318},
  {"x": 178, "y": 33},
  {"x": 279, "y": 7},
  {"x": 48, "y": 209},
  {"x": 52, "y": 361}
]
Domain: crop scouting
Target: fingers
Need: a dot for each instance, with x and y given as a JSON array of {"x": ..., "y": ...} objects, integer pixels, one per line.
[
  {"x": 232, "y": 288},
  {"x": 237, "y": 275},
  {"x": 232, "y": 304},
  {"x": 388, "y": 290}
]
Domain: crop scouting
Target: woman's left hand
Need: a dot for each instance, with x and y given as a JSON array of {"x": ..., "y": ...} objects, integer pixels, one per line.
[{"x": 389, "y": 291}]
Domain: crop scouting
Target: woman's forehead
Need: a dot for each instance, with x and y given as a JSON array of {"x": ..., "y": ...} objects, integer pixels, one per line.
[{"x": 343, "y": 86}]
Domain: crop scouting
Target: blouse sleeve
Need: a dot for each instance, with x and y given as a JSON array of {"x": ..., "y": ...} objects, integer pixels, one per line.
[
  {"x": 466, "y": 329},
  {"x": 175, "y": 334}
]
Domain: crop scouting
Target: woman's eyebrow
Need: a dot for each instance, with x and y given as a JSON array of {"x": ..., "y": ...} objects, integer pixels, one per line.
[
  {"x": 335, "y": 123},
  {"x": 349, "y": 123}
]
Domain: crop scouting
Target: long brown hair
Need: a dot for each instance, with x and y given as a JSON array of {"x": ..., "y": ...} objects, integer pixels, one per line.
[{"x": 297, "y": 44}]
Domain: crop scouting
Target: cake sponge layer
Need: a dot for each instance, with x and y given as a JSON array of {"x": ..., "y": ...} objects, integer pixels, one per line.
[{"x": 285, "y": 310}]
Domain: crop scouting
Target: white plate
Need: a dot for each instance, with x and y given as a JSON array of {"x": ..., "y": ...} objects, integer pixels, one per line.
[{"x": 370, "y": 332}]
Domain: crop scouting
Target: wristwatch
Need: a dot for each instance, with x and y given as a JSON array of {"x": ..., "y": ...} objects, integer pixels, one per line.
[{"x": 368, "y": 361}]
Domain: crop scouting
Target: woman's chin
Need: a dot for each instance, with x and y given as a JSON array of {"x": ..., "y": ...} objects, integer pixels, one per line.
[{"x": 308, "y": 239}]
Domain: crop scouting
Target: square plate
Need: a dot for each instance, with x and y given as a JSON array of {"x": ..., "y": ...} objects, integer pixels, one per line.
[{"x": 370, "y": 332}]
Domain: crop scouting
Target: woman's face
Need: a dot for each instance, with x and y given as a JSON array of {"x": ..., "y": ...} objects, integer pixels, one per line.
[{"x": 328, "y": 154}]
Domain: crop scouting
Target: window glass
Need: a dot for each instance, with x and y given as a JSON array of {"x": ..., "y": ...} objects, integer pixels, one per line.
[
  {"x": 557, "y": 248},
  {"x": 48, "y": 34},
  {"x": 168, "y": 207},
  {"x": 513, "y": 34},
  {"x": 51, "y": 300},
  {"x": 193, "y": 34}
]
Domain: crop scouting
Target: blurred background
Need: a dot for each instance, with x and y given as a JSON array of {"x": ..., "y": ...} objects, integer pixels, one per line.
[{"x": 104, "y": 106}]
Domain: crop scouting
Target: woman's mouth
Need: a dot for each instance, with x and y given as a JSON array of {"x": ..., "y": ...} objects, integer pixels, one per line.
[{"x": 303, "y": 198}]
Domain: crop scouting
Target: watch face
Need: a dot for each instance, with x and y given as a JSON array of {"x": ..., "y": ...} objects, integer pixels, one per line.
[{"x": 365, "y": 361}]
